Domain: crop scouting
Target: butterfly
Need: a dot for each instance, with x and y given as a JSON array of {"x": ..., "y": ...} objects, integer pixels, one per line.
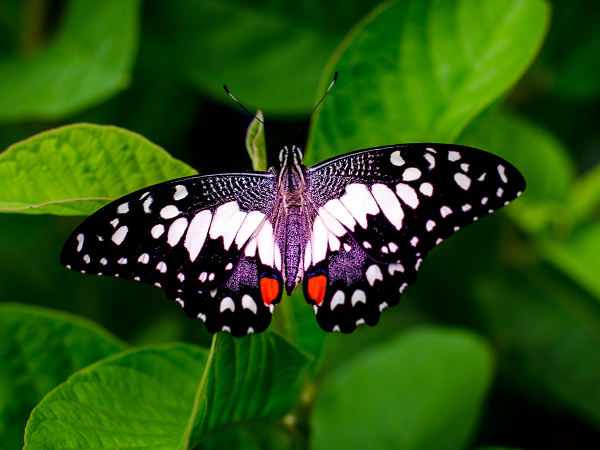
[{"x": 352, "y": 231}]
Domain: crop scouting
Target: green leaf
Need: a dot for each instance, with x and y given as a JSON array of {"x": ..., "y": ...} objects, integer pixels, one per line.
[
  {"x": 76, "y": 169},
  {"x": 578, "y": 75},
  {"x": 584, "y": 196},
  {"x": 171, "y": 396},
  {"x": 547, "y": 335},
  {"x": 578, "y": 256},
  {"x": 271, "y": 54},
  {"x": 420, "y": 71},
  {"x": 89, "y": 61},
  {"x": 140, "y": 398},
  {"x": 39, "y": 349},
  {"x": 539, "y": 155},
  {"x": 253, "y": 379},
  {"x": 255, "y": 143},
  {"x": 423, "y": 390}
]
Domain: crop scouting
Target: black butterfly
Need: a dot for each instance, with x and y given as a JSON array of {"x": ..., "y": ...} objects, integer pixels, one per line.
[{"x": 353, "y": 230}]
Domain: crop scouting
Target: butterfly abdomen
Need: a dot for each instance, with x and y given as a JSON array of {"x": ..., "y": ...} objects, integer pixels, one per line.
[{"x": 295, "y": 242}]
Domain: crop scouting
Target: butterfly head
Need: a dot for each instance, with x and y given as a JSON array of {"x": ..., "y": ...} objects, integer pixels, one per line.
[{"x": 290, "y": 156}]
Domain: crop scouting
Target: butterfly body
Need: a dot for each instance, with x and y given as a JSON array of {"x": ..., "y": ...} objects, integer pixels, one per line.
[{"x": 352, "y": 231}]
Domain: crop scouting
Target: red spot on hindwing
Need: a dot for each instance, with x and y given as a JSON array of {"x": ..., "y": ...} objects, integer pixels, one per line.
[
  {"x": 316, "y": 288},
  {"x": 269, "y": 289}
]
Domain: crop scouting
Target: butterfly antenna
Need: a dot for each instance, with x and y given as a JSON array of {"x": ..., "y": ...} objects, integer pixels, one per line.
[
  {"x": 245, "y": 109},
  {"x": 317, "y": 105}
]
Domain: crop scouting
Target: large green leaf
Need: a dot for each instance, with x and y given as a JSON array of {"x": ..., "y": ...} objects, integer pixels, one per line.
[
  {"x": 547, "y": 334},
  {"x": 423, "y": 390},
  {"x": 39, "y": 349},
  {"x": 89, "y": 60},
  {"x": 271, "y": 54},
  {"x": 140, "y": 398},
  {"x": 421, "y": 70},
  {"x": 578, "y": 256},
  {"x": 254, "y": 379},
  {"x": 171, "y": 396},
  {"x": 76, "y": 169},
  {"x": 539, "y": 155}
]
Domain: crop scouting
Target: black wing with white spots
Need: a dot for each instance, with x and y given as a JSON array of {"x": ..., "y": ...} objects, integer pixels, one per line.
[
  {"x": 381, "y": 210},
  {"x": 186, "y": 236}
]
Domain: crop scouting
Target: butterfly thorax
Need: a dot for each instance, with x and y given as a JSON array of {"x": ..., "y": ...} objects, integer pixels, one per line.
[{"x": 293, "y": 229}]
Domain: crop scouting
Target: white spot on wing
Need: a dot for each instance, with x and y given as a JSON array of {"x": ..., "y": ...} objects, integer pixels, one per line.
[
  {"x": 426, "y": 189},
  {"x": 334, "y": 242},
  {"x": 122, "y": 261},
  {"x": 114, "y": 223},
  {"x": 430, "y": 159},
  {"x": 104, "y": 261},
  {"x": 382, "y": 306},
  {"x": 367, "y": 245},
  {"x": 359, "y": 202},
  {"x": 249, "y": 303},
  {"x": 196, "y": 233},
  {"x": 338, "y": 299},
  {"x": 250, "y": 249},
  {"x": 389, "y": 204},
  {"x": 414, "y": 241},
  {"x": 319, "y": 241},
  {"x": 203, "y": 276},
  {"x": 484, "y": 200},
  {"x": 445, "y": 211},
  {"x": 396, "y": 159},
  {"x": 229, "y": 266},
  {"x": 307, "y": 256},
  {"x": 147, "y": 204},
  {"x": 373, "y": 274},
  {"x": 227, "y": 303},
  {"x": 411, "y": 174},
  {"x": 144, "y": 258},
  {"x": 87, "y": 259},
  {"x": 393, "y": 247},
  {"x": 453, "y": 156},
  {"x": 500, "y": 192},
  {"x": 265, "y": 244},
  {"x": 226, "y": 222},
  {"x": 123, "y": 208},
  {"x": 119, "y": 235},
  {"x": 80, "y": 239},
  {"x": 430, "y": 225},
  {"x": 462, "y": 180},
  {"x": 161, "y": 267},
  {"x": 169, "y": 211},
  {"x": 331, "y": 222},
  {"x": 502, "y": 173},
  {"x": 339, "y": 211},
  {"x": 157, "y": 230},
  {"x": 407, "y": 194},
  {"x": 360, "y": 322},
  {"x": 176, "y": 231},
  {"x": 249, "y": 226},
  {"x": 466, "y": 207},
  {"x": 359, "y": 295},
  {"x": 181, "y": 277},
  {"x": 395, "y": 267},
  {"x": 180, "y": 192}
]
